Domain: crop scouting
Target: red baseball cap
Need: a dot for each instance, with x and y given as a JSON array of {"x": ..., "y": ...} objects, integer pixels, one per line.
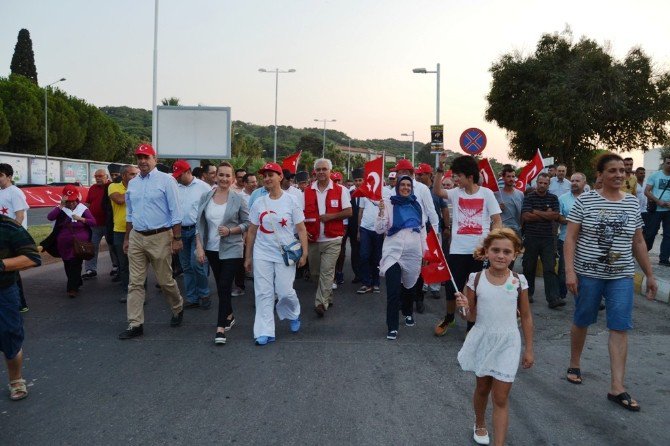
[
  {"x": 336, "y": 176},
  {"x": 179, "y": 167},
  {"x": 404, "y": 164},
  {"x": 271, "y": 167},
  {"x": 424, "y": 168},
  {"x": 71, "y": 193},
  {"x": 145, "y": 149}
]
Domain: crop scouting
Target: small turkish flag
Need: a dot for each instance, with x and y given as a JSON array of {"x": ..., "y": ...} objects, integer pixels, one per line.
[
  {"x": 529, "y": 172},
  {"x": 290, "y": 163},
  {"x": 372, "y": 186},
  {"x": 487, "y": 175},
  {"x": 437, "y": 270}
]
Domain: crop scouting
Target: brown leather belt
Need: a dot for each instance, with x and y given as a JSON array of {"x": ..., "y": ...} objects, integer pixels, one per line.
[{"x": 153, "y": 231}]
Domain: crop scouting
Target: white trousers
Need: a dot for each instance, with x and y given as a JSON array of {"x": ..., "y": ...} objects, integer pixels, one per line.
[{"x": 271, "y": 278}]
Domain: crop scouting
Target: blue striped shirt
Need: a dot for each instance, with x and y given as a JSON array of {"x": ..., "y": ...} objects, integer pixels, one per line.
[{"x": 152, "y": 201}]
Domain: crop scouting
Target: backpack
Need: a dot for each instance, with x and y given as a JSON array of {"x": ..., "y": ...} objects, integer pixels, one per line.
[{"x": 516, "y": 276}]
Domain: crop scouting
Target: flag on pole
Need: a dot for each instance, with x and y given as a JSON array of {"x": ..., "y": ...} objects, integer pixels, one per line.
[
  {"x": 372, "y": 186},
  {"x": 290, "y": 163},
  {"x": 437, "y": 270},
  {"x": 528, "y": 173},
  {"x": 487, "y": 175}
]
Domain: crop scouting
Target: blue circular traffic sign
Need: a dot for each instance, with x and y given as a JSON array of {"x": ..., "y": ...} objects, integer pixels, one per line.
[{"x": 473, "y": 141}]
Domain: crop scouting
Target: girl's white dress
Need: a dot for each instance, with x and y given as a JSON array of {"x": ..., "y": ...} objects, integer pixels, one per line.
[{"x": 493, "y": 346}]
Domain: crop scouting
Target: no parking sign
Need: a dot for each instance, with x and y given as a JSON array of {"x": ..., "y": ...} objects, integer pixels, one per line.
[{"x": 473, "y": 141}]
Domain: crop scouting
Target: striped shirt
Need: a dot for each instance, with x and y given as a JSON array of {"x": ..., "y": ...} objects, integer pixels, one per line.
[
  {"x": 604, "y": 245},
  {"x": 15, "y": 241},
  {"x": 533, "y": 201}
]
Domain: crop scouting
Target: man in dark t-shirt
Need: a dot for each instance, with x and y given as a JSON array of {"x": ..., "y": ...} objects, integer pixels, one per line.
[{"x": 539, "y": 212}]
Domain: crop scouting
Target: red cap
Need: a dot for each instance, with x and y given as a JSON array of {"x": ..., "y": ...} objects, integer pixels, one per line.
[
  {"x": 145, "y": 149},
  {"x": 71, "y": 193},
  {"x": 424, "y": 168},
  {"x": 179, "y": 167},
  {"x": 271, "y": 167},
  {"x": 404, "y": 164},
  {"x": 336, "y": 176}
]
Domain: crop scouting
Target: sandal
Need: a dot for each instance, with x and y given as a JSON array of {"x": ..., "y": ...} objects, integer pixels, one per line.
[
  {"x": 624, "y": 400},
  {"x": 18, "y": 392},
  {"x": 574, "y": 371}
]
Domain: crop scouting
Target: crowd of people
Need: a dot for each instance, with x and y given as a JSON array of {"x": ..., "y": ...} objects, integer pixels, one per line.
[{"x": 274, "y": 225}]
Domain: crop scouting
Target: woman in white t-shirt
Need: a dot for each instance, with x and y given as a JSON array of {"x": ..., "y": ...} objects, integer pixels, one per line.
[
  {"x": 275, "y": 219},
  {"x": 475, "y": 212},
  {"x": 223, "y": 217}
]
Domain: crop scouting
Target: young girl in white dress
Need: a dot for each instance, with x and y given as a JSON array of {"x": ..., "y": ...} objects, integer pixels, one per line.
[{"x": 493, "y": 346}]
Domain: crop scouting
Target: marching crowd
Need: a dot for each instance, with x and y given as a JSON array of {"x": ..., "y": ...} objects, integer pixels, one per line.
[{"x": 277, "y": 226}]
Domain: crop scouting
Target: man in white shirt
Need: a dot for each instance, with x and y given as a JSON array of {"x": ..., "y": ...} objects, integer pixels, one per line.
[
  {"x": 190, "y": 189},
  {"x": 287, "y": 185},
  {"x": 250, "y": 185},
  {"x": 326, "y": 205},
  {"x": 559, "y": 185},
  {"x": 640, "y": 174},
  {"x": 238, "y": 185},
  {"x": 391, "y": 180}
]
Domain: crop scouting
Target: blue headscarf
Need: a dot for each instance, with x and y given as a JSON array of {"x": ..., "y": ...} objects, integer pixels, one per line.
[{"x": 406, "y": 210}]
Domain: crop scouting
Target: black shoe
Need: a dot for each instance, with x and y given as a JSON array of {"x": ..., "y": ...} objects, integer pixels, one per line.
[
  {"x": 555, "y": 304},
  {"x": 116, "y": 278},
  {"x": 189, "y": 305},
  {"x": 177, "y": 320},
  {"x": 229, "y": 324},
  {"x": 220, "y": 338},
  {"x": 420, "y": 307},
  {"x": 89, "y": 274},
  {"x": 114, "y": 271},
  {"x": 132, "y": 332}
]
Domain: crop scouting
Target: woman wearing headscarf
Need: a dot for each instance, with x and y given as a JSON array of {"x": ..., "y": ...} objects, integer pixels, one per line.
[
  {"x": 400, "y": 219},
  {"x": 73, "y": 220}
]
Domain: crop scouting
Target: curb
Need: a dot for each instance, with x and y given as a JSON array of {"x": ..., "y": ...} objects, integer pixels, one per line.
[{"x": 663, "y": 293}]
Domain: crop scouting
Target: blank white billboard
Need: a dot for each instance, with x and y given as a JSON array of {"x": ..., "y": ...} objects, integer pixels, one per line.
[{"x": 193, "y": 132}]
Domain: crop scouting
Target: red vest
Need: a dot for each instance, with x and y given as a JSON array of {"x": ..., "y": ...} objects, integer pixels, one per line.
[{"x": 332, "y": 228}]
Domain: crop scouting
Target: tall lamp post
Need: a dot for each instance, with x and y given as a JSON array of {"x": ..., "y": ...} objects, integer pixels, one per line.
[
  {"x": 412, "y": 135},
  {"x": 276, "y": 71},
  {"x": 437, "y": 101},
  {"x": 46, "y": 129},
  {"x": 349, "y": 160},
  {"x": 323, "y": 151}
]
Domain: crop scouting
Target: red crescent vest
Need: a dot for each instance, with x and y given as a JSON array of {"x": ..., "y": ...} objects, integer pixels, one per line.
[{"x": 332, "y": 228}]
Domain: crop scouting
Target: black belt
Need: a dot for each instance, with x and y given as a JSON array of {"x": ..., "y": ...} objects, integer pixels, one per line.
[
  {"x": 187, "y": 228},
  {"x": 153, "y": 231}
]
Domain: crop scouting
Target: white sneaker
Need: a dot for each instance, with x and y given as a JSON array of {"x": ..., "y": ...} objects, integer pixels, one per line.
[
  {"x": 334, "y": 286},
  {"x": 480, "y": 439},
  {"x": 237, "y": 292}
]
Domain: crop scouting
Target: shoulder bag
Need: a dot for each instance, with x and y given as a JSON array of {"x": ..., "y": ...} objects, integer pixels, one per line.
[{"x": 651, "y": 204}]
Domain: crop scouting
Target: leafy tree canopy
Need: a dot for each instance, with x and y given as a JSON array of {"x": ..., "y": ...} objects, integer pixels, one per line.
[{"x": 569, "y": 99}]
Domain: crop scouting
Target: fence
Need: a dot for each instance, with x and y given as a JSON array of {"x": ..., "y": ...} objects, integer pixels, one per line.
[{"x": 32, "y": 169}]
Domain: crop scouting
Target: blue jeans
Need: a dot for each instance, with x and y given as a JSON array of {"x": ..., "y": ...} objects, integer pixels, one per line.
[
  {"x": 370, "y": 250},
  {"x": 98, "y": 232},
  {"x": 196, "y": 284},
  {"x": 618, "y": 294},
  {"x": 655, "y": 220}
]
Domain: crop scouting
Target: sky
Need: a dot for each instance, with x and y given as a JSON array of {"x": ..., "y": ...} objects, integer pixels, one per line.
[{"x": 353, "y": 59}]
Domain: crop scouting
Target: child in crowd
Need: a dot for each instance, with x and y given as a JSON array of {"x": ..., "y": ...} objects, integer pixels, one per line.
[{"x": 493, "y": 346}]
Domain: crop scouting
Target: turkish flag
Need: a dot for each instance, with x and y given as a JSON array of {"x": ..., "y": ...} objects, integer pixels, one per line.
[
  {"x": 528, "y": 173},
  {"x": 487, "y": 175},
  {"x": 290, "y": 163},
  {"x": 437, "y": 270},
  {"x": 372, "y": 186}
]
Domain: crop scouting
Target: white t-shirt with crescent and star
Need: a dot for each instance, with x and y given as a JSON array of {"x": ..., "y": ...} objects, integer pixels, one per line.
[
  {"x": 276, "y": 220},
  {"x": 12, "y": 199}
]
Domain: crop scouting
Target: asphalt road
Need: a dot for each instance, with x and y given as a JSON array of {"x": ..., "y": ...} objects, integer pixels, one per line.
[{"x": 339, "y": 381}]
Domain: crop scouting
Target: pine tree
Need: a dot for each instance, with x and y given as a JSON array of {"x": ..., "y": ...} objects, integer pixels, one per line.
[{"x": 23, "y": 61}]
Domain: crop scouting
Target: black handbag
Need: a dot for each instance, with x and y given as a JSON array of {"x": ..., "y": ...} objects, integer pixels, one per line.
[{"x": 50, "y": 244}]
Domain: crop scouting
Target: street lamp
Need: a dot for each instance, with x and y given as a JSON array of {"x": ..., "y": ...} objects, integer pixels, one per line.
[
  {"x": 437, "y": 106},
  {"x": 323, "y": 151},
  {"x": 46, "y": 129},
  {"x": 349, "y": 160},
  {"x": 276, "y": 71},
  {"x": 412, "y": 135}
]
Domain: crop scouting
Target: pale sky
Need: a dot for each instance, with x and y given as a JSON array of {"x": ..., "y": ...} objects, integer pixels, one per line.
[{"x": 353, "y": 59}]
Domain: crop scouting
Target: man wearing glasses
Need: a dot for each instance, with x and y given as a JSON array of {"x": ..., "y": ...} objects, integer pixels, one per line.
[{"x": 238, "y": 186}]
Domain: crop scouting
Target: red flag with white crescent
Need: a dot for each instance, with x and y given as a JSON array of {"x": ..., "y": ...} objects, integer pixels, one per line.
[
  {"x": 528, "y": 173},
  {"x": 290, "y": 163},
  {"x": 437, "y": 270},
  {"x": 487, "y": 175},
  {"x": 372, "y": 186}
]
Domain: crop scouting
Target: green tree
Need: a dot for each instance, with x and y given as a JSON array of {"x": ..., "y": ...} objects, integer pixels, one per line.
[
  {"x": 5, "y": 131},
  {"x": 310, "y": 143},
  {"x": 568, "y": 99},
  {"x": 172, "y": 101},
  {"x": 24, "y": 113},
  {"x": 23, "y": 60}
]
